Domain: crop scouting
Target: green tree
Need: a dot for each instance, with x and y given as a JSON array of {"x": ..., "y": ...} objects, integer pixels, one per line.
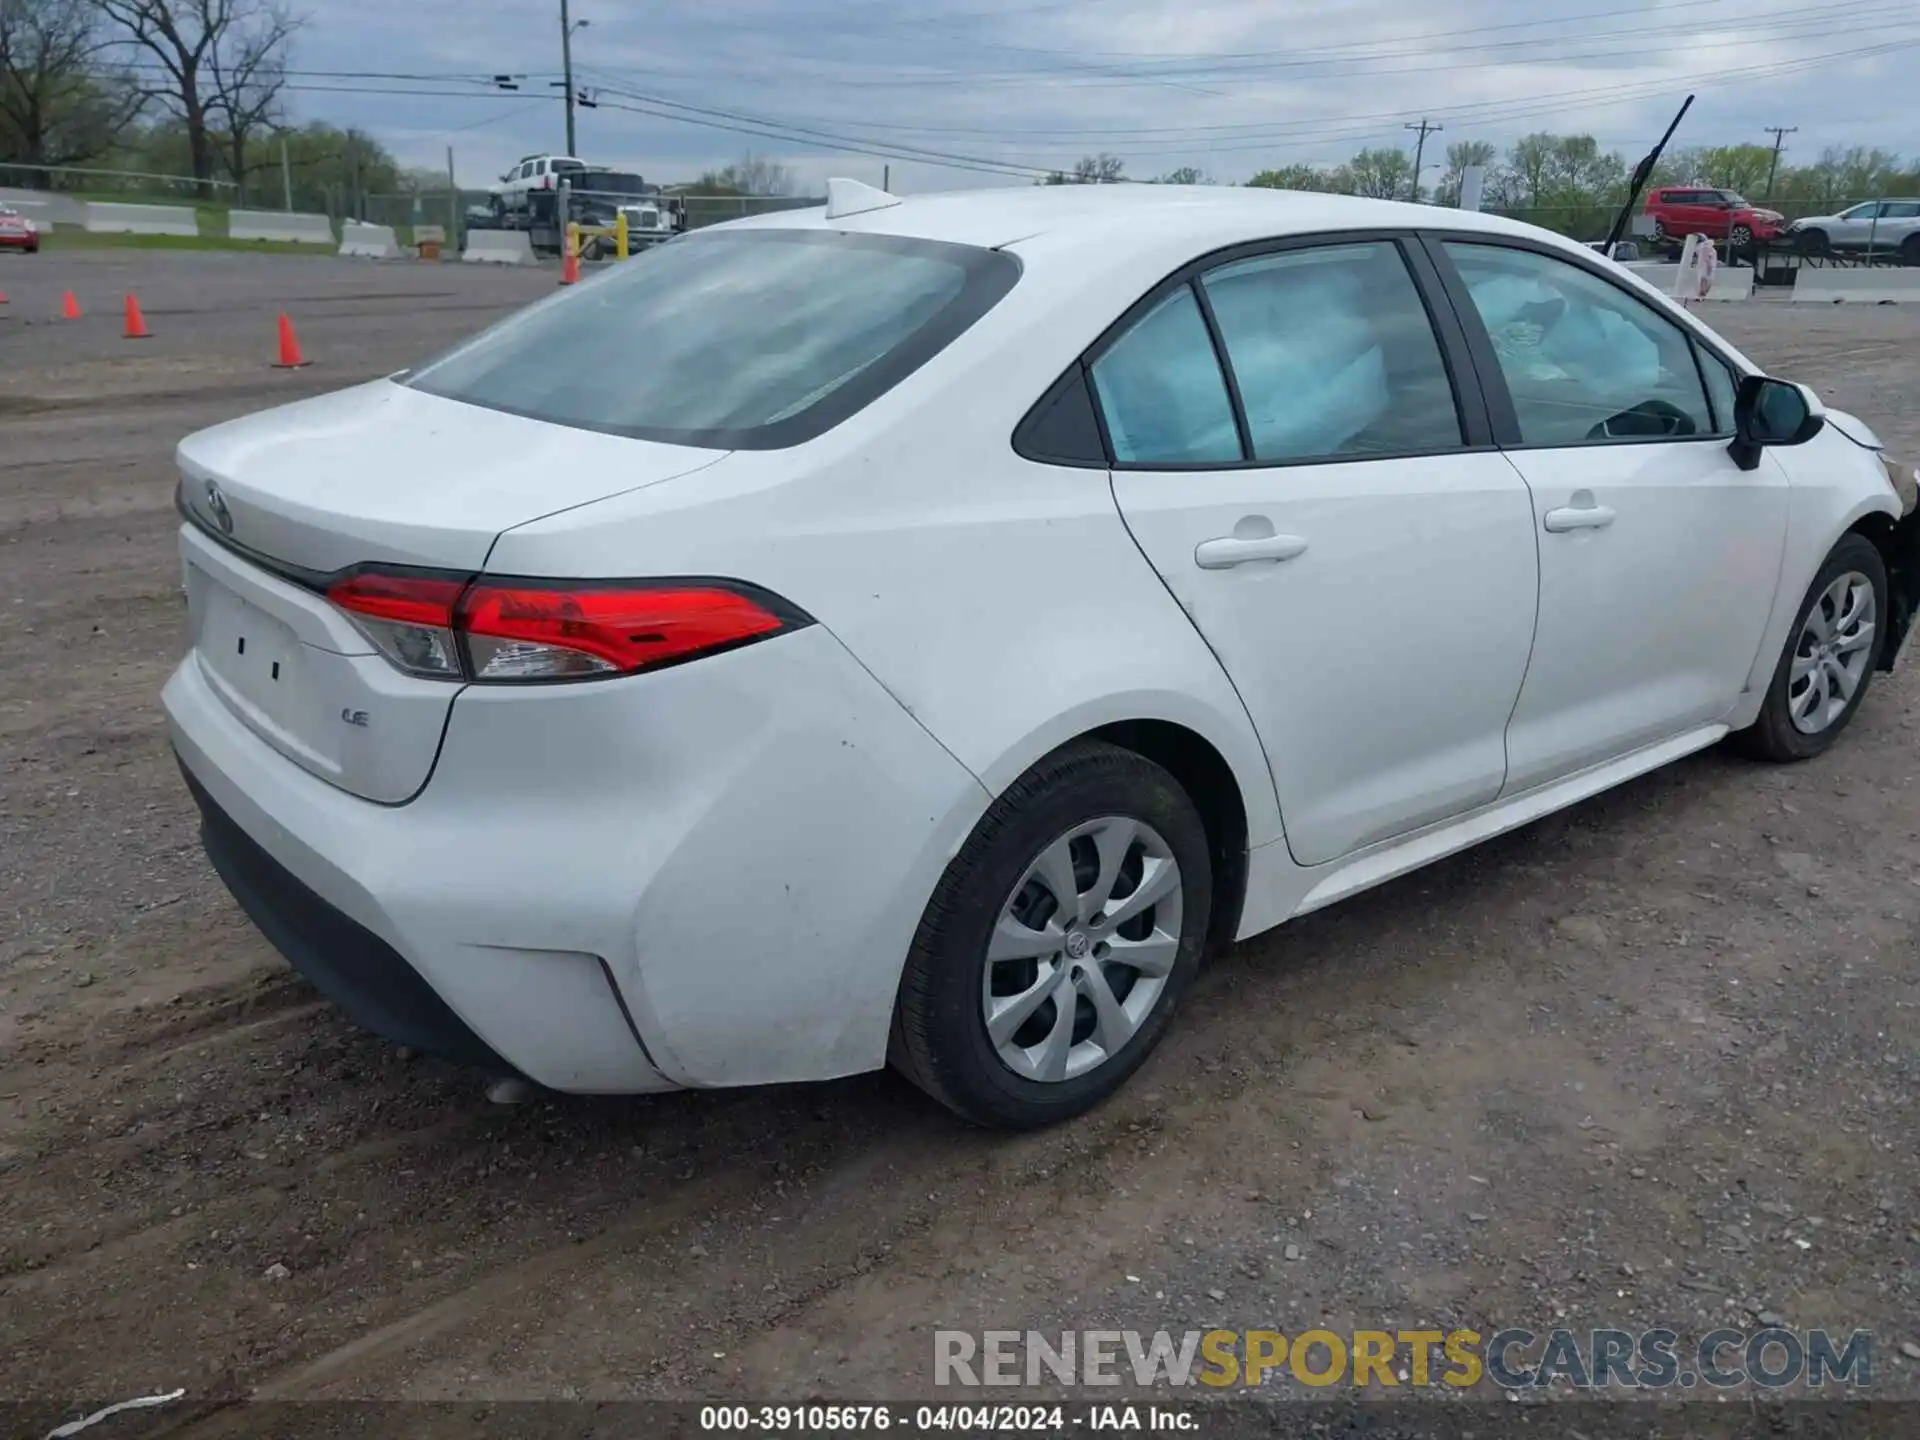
[
  {"x": 1737, "y": 167},
  {"x": 1384, "y": 174},
  {"x": 1185, "y": 175},
  {"x": 58, "y": 105},
  {"x": 1462, "y": 155},
  {"x": 1336, "y": 181}
]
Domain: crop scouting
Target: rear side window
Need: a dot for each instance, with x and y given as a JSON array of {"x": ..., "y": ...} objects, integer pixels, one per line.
[
  {"x": 1334, "y": 354},
  {"x": 1161, "y": 392},
  {"x": 750, "y": 340}
]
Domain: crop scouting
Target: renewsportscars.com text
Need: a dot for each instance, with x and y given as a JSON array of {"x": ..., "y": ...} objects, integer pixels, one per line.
[{"x": 1512, "y": 1359}]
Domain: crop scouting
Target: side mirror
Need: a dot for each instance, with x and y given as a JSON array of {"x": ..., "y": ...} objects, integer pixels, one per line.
[{"x": 1772, "y": 412}]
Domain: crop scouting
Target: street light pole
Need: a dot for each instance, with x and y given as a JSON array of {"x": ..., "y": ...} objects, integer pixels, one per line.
[{"x": 566, "y": 66}]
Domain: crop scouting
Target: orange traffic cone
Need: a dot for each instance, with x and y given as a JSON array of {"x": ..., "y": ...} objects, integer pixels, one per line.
[
  {"x": 3, "y": 297},
  {"x": 290, "y": 357},
  {"x": 69, "y": 307},
  {"x": 570, "y": 269},
  {"x": 136, "y": 322}
]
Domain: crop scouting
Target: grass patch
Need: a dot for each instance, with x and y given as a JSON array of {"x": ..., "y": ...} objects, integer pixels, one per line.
[{"x": 67, "y": 238}]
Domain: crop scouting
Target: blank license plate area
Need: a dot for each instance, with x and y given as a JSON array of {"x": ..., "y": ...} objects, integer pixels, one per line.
[{"x": 255, "y": 655}]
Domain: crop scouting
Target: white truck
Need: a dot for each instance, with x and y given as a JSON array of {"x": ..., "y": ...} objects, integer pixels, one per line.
[{"x": 533, "y": 174}]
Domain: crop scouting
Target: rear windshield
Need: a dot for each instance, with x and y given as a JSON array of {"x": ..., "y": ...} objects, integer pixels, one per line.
[{"x": 743, "y": 340}]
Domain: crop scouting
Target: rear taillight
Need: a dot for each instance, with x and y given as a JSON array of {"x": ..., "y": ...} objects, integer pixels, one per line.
[
  {"x": 513, "y": 630},
  {"x": 409, "y": 618}
]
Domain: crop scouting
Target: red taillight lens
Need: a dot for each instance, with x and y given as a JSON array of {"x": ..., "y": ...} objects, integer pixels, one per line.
[
  {"x": 503, "y": 630},
  {"x": 520, "y": 631},
  {"x": 409, "y": 618}
]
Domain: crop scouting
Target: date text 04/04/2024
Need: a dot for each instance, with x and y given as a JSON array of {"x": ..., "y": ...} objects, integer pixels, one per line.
[{"x": 945, "y": 1419}]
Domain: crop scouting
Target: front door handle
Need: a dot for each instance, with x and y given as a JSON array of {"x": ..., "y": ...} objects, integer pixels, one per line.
[
  {"x": 1578, "y": 517},
  {"x": 1230, "y": 550}
]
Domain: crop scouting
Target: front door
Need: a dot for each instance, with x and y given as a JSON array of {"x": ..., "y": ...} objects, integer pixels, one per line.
[
  {"x": 1367, "y": 580},
  {"x": 1659, "y": 556}
]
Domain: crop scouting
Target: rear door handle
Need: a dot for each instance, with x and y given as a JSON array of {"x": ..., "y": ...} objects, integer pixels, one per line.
[
  {"x": 1578, "y": 517},
  {"x": 1229, "y": 550}
]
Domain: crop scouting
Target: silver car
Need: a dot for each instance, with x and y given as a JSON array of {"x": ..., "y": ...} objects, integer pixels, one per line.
[{"x": 1892, "y": 226}]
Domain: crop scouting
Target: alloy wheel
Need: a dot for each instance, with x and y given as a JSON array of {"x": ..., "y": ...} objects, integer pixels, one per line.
[
  {"x": 1832, "y": 654},
  {"x": 1082, "y": 949}
]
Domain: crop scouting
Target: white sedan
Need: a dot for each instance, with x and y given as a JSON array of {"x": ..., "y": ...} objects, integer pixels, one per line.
[{"x": 964, "y": 611}]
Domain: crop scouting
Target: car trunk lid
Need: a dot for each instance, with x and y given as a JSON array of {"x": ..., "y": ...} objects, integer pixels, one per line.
[{"x": 377, "y": 475}]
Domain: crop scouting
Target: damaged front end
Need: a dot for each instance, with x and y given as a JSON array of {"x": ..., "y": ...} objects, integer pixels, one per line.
[{"x": 1899, "y": 544}]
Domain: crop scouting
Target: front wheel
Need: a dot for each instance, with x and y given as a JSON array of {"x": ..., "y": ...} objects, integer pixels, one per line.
[
  {"x": 1058, "y": 942},
  {"x": 1829, "y": 658},
  {"x": 1813, "y": 242}
]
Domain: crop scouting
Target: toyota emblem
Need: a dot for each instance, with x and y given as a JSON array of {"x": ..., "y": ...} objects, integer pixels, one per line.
[{"x": 217, "y": 503}]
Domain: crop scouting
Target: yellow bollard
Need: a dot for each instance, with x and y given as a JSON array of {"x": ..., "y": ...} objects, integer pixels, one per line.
[{"x": 620, "y": 235}]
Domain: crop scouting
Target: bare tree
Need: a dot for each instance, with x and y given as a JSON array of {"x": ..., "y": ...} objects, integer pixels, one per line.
[
  {"x": 214, "y": 63},
  {"x": 248, "y": 68},
  {"x": 56, "y": 106},
  {"x": 751, "y": 174}
]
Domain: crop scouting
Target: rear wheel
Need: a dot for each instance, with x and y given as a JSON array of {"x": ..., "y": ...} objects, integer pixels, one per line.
[
  {"x": 1058, "y": 942},
  {"x": 1828, "y": 662},
  {"x": 1739, "y": 238},
  {"x": 1910, "y": 249}
]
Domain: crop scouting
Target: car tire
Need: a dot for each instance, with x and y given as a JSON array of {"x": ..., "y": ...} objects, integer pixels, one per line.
[
  {"x": 1776, "y": 735},
  {"x": 1910, "y": 250},
  {"x": 1101, "y": 811},
  {"x": 1739, "y": 238},
  {"x": 1813, "y": 242}
]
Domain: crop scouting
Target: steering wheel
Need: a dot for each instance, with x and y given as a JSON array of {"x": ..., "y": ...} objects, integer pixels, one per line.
[{"x": 1649, "y": 419}]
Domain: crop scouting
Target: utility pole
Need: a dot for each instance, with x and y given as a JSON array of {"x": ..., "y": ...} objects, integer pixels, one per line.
[
  {"x": 1779, "y": 133},
  {"x": 566, "y": 68},
  {"x": 286, "y": 176},
  {"x": 1420, "y": 150}
]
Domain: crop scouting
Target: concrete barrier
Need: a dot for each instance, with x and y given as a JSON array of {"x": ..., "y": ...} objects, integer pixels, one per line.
[
  {"x": 280, "y": 225},
  {"x": 1656, "y": 273},
  {"x": 1864, "y": 287},
  {"x": 498, "y": 247},
  {"x": 368, "y": 242},
  {"x": 44, "y": 207},
  {"x": 105, "y": 218},
  {"x": 1729, "y": 284}
]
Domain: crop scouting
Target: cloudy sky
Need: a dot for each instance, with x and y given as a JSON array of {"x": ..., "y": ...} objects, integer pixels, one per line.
[{"x": 960, "y": 93}]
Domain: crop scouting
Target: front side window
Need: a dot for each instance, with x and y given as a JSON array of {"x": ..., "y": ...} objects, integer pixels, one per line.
[
  {"x": 1861, "y": 212},
  {"x": 754, "y": 340},
  {"x": 1584, "y": 361},
  {"x": 1333, "y": 353},
  {"x": 1161, "y": 392}
]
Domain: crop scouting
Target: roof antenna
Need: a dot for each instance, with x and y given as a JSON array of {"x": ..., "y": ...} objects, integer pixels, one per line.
[{"x": 851, "y": 197}]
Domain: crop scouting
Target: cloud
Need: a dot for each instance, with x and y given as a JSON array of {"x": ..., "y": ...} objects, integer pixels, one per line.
[{"x": 955, "y": 93}]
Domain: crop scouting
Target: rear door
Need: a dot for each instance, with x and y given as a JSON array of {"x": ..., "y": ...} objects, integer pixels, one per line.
[{"x": 1292, "y": 455}]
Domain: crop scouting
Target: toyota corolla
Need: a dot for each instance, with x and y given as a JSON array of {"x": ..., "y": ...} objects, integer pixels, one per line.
[{"x": 963, "y": 612}]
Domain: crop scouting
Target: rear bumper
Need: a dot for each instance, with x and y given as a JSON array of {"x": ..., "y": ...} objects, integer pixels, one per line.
[
  {"x": 348, "y": 963},
  {"x": 707, "y": 876}
]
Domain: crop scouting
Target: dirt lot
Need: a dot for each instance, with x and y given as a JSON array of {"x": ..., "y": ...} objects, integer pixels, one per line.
[{"x": 1649, "y": 1062}]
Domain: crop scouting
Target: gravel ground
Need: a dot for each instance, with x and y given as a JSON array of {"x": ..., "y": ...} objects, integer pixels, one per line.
[{"x": 1651, "y": 1061}]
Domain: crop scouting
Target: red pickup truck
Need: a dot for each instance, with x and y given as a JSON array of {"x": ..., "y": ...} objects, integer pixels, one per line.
[{"x": 1678, "y": 211}]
